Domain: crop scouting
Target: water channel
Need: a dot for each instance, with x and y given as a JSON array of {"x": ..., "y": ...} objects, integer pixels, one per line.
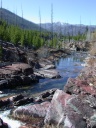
[{"x": 67, "y": 67}]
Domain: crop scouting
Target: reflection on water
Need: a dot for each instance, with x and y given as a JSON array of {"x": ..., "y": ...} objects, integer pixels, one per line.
[{"x": 67, "y": 67}]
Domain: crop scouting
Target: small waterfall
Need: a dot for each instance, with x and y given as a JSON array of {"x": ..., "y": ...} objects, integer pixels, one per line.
[{"x": 11, "y": 122}]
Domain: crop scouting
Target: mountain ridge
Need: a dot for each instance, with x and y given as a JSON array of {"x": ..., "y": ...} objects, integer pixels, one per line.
[
  {"x": 66, "y": 28},
  {"x": 58, "y": 27},
  {"x": 12, "y": 18}
]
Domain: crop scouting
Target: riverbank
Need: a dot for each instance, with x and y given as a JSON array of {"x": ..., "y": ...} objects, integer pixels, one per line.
[
  {"x": 21, "y": 66},
  {"x": 75, "y": 107},
  {"x": 72, "y": 66},
  {"x": 53, "y": 107}
]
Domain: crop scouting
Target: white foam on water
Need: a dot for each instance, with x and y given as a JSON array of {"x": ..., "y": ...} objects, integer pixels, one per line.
[
  {"x": 2, "y": 95},
  {"x": 11, "y": 122}
]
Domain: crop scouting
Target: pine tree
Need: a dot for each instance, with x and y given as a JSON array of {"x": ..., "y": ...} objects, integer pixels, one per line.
[{"x": 1, "y": 50}]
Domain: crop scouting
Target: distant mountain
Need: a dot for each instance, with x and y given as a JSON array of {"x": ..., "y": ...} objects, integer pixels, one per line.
[
  {"x": 66, "y": 28},
  {"x": 58, "y": 27},
  {"x": 14, "y": 19}
]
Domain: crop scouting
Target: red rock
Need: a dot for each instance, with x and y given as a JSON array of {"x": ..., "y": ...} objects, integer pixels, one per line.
[
  {"x": 56, "y": 109},
  {"x": 69, "y": 110},
  {"x": 36, "y": 110},
  {"x": 16, "y": 68},
  {"x": 77, "y": 86}
]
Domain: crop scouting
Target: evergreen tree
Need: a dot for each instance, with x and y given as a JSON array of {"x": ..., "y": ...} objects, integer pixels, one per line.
[{"x": 1, "y": 52}]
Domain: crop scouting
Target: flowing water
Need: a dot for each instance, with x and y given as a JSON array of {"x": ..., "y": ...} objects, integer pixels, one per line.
[
  {"x": 67, "y": 67},
  {"x": 12, "y": 123}
]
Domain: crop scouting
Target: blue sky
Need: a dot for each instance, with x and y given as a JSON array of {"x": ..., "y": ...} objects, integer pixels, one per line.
[{"x": 63, "y": 10}]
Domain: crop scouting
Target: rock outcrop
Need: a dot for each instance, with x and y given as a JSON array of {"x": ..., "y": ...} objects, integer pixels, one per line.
[
  {"x": 3, "y": 124},
  {"x": 16, "y": 74},
  {"x": 72, "y": 111},
  {"x": 48, "y": 73},
  {"x": 36, "y": 110},
  {"x": 75, "y": 107},
  {"x": 64, "y": 110},
  {"x": 21, "y": 99}
]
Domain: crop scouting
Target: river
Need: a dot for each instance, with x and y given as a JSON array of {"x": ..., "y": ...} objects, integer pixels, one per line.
[{"x": 67, "y": 67}]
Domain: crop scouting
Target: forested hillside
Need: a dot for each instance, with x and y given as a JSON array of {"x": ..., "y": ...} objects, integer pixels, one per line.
[
  {"x": 12, "y": 18},
  {"x": 19, "y": 31},
  {"x": 17, "y": 35}
]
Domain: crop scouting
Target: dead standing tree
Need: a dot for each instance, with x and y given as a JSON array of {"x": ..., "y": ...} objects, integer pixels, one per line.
[
  {"x": 52, "y": 23},
  {"x": 40, "y": 23},
  {"x": 1, "y": 10},
  {"x": 22, "y": 17}
]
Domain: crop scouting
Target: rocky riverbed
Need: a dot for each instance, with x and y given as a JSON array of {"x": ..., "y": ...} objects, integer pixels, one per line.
[
  {"x": 72, "y": 107},
  {"x": 22, "y": 66},
  {"x": 12, "y": 102}
]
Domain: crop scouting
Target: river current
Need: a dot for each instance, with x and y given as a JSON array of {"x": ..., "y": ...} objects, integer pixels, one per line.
[{"x": 67, "y": 67}]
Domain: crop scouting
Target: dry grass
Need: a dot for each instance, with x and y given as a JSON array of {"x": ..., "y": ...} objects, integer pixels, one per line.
[
  {"x": 93, "y": 49},
  {"x": 92, "y": 62},
  {"x": 52, "y": 126},
  {"x": 93, "y": 36},
  {"x": 93, "y": 44}
]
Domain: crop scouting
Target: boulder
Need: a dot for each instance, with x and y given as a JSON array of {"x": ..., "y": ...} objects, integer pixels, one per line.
[
  {"x": 23, "y": 101},
  {"x": 27, "y": 112},
  {"x": 72, "y": 111},
  {"x": 52, "y": 73},
  {"x": 52, "y": 91},
  {"x": 3, "y": 124},
  {"x": 57, "y": 106},
  {"x": 37, "y": 65},
  {"x": 51, "y": 66},
  {"x": 79, "y": 86},
  {"x": 7, "y": 71},
  {"x": 17, "y": 78},
  {"x": 45, "y": 95},
  {"x": 38, "y": 99},
  {"x": 38, "y": 75},
  {"x": 26, "y": 69},
  {"x": 19, "y": 100},
  {"x": 26, "y": 80},
  {"x": 33, "y": 78},
  {"x": 12, "y": 83},
  {"x": 15, "y": 69},
  {"x": 17, "y": 97},
  {"x": 4, "y": 103},
  {"x": 92, "y": 121},
  {"x": 3, "y": 84}
]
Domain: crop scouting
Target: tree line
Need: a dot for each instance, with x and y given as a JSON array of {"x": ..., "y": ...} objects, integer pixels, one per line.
[{"x": 17, "y": 35}]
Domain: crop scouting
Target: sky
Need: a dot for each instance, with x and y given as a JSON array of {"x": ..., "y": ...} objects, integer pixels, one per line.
[{"x": 64, "y": 11}]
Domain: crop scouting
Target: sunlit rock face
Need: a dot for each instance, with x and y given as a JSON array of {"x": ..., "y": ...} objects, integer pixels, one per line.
[
  {"x": 72, "y": 111},
  {"x": 80, "y": 86},
  {"x": 64, "y": 110},
  {"x": 57, "y": 107},
  {"x": 36, "y": 110}
]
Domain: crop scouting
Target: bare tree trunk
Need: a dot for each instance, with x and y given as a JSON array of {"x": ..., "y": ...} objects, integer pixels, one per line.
[
  {"x": 22, "y": 17},
  {"x": 1, "y": 9},
  {"x": 16, "y": 18},
  {"x": 40, "y": 22},
  {"x": 52, "y": 22}
]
